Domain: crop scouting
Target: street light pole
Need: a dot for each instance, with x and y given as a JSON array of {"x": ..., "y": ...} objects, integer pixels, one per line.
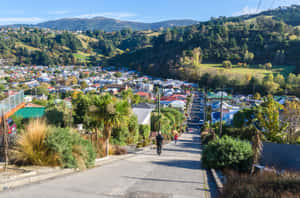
[{"x": 221, "y": 113}]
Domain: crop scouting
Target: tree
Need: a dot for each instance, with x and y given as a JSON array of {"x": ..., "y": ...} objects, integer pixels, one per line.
[
  {"x": 127, "y": 95},
  {"x": 133, "y": 128},
  {"x": 111, "y": 112},
  {"x": 292, "y": 79},
  {"x": 59, "y": 114},
  {"x": 2, "y": 87},
  {"x": 72, "y": 80},
  {"x": 269, "y": 84},
  {"x": 227, "y": 64},
  {"x": 80, "y": 108},
  {"x": 244, "y": 117},
  {"x": 269, "y": 121},
  {"x": 118, "y": 74},
  {"x": 280, "y": 80},
  {"x": 136, "y": 99},
  {"x": 83, "y": 84},
  {"x": 291, "y": 115},
  {"x": 257, "y": 146},
  {"x": 257, "y": 96},
  {"x": 268, "y": 65},
  {"x": 41, "y": 90},
  {"x": 248, "y": 56}
]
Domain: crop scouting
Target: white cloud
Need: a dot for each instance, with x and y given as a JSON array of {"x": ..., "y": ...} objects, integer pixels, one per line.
[
  {"x": 58, "y": 12},
  {"x": 20, "y": 20},
  {"x": 114, "y": 15},
  {"x": 247, "y": 10},
  {"x": 289, "y": 2}
]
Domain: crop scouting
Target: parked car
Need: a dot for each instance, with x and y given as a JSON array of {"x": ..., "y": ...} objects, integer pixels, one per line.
[
  {"x": 201, "y": 122},
  {"x": 12, "y": 131},
  {"x": 12, "y": 127}
]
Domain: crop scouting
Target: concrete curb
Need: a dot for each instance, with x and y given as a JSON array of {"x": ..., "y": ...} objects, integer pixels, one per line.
[
  {"x": 33, "y": 176},
  {"x": 217, "y": 179},
  {"x": 32, "y": 179}
]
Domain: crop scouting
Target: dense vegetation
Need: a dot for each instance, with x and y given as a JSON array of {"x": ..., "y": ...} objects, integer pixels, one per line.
[
  {"x": 258, "y": 42},
  {"x": 169, "y": 122}
]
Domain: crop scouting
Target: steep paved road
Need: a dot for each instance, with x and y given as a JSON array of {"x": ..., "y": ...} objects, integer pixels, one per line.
[{"x": 176, "y": 173}]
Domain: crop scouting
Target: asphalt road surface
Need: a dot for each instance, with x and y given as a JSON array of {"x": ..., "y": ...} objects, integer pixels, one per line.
[{"x": 176, "y": 173}]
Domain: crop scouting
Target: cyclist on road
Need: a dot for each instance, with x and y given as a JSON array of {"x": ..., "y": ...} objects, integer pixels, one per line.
[
  {"x": 159, "y": 142},
  {"x": 176, "y": 138}
]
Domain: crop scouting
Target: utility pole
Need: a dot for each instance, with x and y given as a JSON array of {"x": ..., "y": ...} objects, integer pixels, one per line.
[
  {"x": 221, "y": 113},
  {"x": 158, "y": 103},
  {"x": 205, "y": 113}
]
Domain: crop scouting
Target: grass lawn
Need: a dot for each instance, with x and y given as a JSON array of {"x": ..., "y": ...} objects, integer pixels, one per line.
[
  {"x": 30, "y": 48},
  {"x": 82, "y": 56},
  {"x": 85, "y": 40},
  {"x": 252, "y": 69}
]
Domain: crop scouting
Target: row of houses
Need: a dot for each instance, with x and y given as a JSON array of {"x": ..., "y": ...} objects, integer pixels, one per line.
[{"x": 231, "y": 104}]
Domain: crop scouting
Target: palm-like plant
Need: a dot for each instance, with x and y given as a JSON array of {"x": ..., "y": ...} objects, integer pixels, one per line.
[{"x": 111, "y": 112}]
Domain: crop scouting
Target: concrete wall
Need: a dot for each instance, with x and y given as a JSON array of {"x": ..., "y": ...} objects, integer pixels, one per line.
[{"x": 281, "y": 156}]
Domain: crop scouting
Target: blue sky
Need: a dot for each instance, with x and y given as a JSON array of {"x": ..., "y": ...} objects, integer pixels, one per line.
[{"x": 34, "y": 11}]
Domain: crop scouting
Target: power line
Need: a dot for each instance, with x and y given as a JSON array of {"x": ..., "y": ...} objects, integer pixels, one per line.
[
  {"x": 272, "y": 4},
  {"x": 258, "y": 5}
]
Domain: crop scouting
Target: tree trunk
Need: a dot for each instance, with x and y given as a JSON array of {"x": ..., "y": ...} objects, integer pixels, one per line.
[
  {"x": 96, "y": 134},
  {"x": 107, "y": 147},
  {"x": 5, "y": 141},
  {"x": 107, "y": 136}
]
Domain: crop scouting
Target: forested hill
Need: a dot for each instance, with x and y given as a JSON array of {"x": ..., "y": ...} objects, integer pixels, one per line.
[
  {"x": 289, "y": 15},
  {"x": 109, "y": 25},
  {"x": 174, "y": 52}
]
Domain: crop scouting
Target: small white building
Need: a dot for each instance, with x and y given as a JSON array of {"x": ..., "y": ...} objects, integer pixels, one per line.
[{"x": 143, "y": 115}]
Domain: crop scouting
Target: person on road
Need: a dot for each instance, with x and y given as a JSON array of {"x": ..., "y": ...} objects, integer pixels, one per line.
[
  {"x": 176, "y": 138},
  {"x": 159, "y": 142}
]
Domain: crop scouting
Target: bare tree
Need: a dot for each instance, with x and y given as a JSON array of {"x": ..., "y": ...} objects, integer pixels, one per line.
[{"x": 4, "y": 129}]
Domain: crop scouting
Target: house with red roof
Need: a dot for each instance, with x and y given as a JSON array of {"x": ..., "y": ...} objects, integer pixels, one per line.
[{"x": 144, "y": 94}]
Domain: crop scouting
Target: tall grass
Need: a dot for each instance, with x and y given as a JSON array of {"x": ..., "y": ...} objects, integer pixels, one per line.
[
  {"x": 30, "y": 146},
  {"x": 262, "y": 185},
  {"x": 41, "y": 145}
]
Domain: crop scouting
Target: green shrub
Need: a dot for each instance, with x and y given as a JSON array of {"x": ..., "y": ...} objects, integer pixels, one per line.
[
  {"x": 133, "y": 128},
  {"x": 228, "y": 153},
  {"x": 73, "y": 150},
  {"x": 119, "y": 135},
  {"x": 227, "y": 64},
  {"x": 144, "y": 131},
  {"x": 244, "y": 133},
  {"x": 207, "y": 136}
]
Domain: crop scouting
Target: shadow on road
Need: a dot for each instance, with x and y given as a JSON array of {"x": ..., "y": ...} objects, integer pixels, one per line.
[
  {"x": 180, "y": 150},
  {"x": 188, "y": 164},
  {"x": 163, "y": 180}
]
